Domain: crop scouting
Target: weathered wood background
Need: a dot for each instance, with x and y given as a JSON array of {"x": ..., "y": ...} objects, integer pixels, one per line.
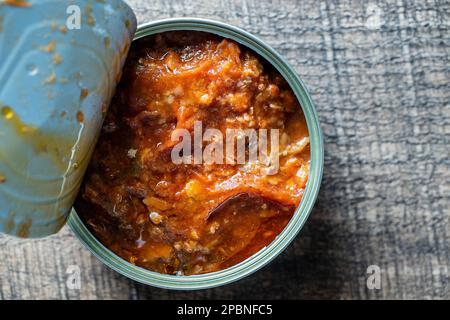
[{"x": 379, "y": 73}]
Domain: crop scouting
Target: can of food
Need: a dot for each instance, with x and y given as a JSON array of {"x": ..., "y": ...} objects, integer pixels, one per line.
[
  {"x": 269, "y": 252},
  {"x": 60, "y": 62}
]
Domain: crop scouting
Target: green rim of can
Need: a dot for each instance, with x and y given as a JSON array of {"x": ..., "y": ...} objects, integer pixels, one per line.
[{"x": 265, "y": 255}]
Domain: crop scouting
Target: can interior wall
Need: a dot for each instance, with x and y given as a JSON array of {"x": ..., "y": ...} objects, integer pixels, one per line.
[{"x": 301, "y": 214}]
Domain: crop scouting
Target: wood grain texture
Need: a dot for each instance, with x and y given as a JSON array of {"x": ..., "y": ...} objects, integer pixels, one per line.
[{"x": 379, "y": 73}]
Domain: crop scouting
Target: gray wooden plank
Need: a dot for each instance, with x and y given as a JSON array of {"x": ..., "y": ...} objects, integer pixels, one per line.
[{"x": 379, "y": 73}]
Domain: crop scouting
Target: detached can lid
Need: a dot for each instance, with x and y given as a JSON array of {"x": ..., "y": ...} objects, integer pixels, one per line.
[{"x": 60, "y": 62}]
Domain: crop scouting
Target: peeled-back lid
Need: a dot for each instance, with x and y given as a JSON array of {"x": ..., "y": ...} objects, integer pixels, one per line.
[{"x": 60, "y": 62}]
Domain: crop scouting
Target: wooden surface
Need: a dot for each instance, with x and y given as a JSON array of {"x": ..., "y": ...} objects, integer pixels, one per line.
[{"x": 379, "y": 73}]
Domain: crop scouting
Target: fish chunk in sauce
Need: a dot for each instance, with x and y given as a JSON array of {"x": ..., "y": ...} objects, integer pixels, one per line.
[{"x": 192, "y": 218}]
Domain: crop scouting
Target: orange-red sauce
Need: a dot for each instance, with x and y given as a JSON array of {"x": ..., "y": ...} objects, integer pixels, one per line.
[{"x": 185, "y": 218}]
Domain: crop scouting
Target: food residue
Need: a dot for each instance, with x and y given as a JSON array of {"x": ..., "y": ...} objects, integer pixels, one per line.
[
  {"x": 50, "y": 79},
  {"x": 107, "y": 42},
  {"x": 40, "y": 141},
  {"x": 57, "y": 59},
  {"x": 80, "y": 116},
  {"x": 83, "y": 94},
  {"x": 23, "y": 229},
  {"x": 17, "y": 3},
  {"x": 9, "y": 223},
  {"x": 90, "y": 20},
  {"x": 18, "y": 125},
  {"x": 7, "y": 112},
  {"x": 104, "y": 108},
  {"x": 50, "y": 47}
]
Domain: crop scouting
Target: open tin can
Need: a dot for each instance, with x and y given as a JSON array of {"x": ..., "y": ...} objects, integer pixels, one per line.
[
  {"x": 268, "y": 253},
  {"x": 35, "y": 195}
]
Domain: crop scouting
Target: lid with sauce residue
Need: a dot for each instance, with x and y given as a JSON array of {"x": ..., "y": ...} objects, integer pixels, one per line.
[{"x": 59, "y": 65}]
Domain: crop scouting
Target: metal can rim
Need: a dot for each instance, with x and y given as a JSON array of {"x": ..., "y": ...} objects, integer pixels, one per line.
[{"x": 267, "y": 254}]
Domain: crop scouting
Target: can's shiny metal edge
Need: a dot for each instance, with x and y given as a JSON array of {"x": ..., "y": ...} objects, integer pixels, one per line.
[{"x": 301, "y": 214}]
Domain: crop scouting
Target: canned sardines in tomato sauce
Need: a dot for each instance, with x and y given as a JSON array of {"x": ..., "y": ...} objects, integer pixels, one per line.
[{"x": 208, "y": 159}]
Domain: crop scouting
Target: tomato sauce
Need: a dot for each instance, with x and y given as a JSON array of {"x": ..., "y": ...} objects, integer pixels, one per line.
[{"x": 192, "y": 218}]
